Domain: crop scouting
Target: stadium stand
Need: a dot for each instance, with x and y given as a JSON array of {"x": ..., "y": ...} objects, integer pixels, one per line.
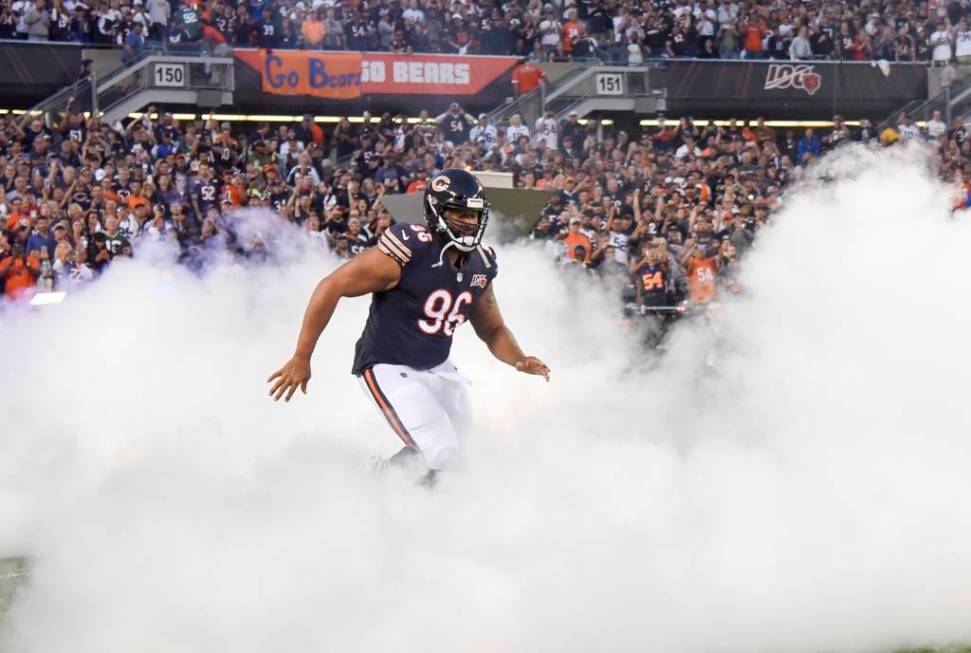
[
  {"x": 77, "y": 195},
  {"x": 626, "y": 31},
  {"x": 664, "y": 212}
]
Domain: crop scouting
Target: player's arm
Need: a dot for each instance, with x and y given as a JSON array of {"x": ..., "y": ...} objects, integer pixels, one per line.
[
  {"x": 370, "y": 271},
  {"x": 492, "y": 330}
]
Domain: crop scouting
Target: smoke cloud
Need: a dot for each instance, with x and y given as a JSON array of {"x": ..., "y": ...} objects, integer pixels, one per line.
[{"x": 797, "y": 481}]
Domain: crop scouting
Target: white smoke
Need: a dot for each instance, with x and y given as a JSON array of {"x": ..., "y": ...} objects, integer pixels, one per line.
[{"x": 809, "y": 493}]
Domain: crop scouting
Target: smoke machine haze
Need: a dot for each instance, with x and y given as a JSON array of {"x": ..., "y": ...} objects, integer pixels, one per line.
[{"x": 810, "y": 492}]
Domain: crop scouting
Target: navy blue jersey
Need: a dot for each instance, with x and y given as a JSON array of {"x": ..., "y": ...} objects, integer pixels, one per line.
[
  {"x": 412, "y": 324},
  {"x": 653, "y": 278}
]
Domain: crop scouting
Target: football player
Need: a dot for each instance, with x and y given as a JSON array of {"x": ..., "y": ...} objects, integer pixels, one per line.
[{"x": 426, "y": 281}]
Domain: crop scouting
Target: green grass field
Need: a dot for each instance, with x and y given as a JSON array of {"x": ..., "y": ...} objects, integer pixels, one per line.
[{"x": 13, "y": 574}]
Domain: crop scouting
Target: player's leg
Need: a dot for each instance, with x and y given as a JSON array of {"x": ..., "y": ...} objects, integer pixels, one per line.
[
  {"x": 454, "y": 395},
  {"x": 409, "y": 402}
]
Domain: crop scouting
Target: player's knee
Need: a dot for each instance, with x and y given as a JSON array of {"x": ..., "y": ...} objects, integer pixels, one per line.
[
  {"x": 438, "y": 442},
  {"x": 442, "y": 458}
]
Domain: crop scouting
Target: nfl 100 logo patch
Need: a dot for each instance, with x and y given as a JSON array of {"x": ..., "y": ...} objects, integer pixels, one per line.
[{"x": 479, "y": 280}]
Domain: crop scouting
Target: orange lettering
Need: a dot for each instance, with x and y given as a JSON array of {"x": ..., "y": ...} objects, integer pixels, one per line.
[{"x": 653, "y": 281}]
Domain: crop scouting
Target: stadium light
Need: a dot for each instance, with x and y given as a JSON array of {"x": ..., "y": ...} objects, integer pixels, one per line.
[
  {"x": 652, "y": 122},
  {"x": 233, "y": 117}
]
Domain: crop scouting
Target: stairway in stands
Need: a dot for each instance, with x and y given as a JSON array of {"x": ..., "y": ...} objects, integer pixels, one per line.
[{"x": 184, "y": 78}]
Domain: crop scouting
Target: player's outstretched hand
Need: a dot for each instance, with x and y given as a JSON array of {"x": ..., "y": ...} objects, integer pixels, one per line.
[
  {"x": 533, "y": 365},
  {"x": 295, "y": 374}
]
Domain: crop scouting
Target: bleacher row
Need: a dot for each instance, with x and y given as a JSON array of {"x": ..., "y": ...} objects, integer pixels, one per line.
[
  {"x": 665, "y": 212},
  {"x": 616, "y": 31}
]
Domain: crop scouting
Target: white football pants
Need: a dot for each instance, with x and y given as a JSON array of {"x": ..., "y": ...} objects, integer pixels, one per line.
[{"x": 428, "y": 409}]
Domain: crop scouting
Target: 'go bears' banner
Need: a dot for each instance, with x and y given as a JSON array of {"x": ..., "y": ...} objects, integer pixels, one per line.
[
  {"x": 346, "y": 75},
  {"x": 430, "y": 74},
  {"x": 333, "y": 75}
]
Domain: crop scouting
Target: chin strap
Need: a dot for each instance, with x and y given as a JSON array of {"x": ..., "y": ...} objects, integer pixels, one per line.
[{"x": 441, "y": 257}]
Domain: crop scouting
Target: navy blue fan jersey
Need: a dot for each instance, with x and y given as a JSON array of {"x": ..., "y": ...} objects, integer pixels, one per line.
[{"x": 412, "y": 324}]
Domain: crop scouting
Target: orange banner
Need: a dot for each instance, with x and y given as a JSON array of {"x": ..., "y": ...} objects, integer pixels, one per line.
[
  {"x": 332, "y": 75},
  {"x": 430, "y": 74},
  {"x": 346, "y": 75}
]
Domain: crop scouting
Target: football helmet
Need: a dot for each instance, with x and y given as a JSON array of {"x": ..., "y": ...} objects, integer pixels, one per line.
[{"x": 456, "y": 189}]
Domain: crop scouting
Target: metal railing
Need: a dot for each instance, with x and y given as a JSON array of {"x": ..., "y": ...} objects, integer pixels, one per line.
[
  {"x": 960, "y": 104},
  {"x": 564, "y": 104},
  {"x": 95, "y": 94},
  {"x": 950, "y": 101},
  {"x": 530, "y": 105},
  {"x": 571, "y": 90},
  {"x": 81, "y": 93},
  {"x": 117, "y": 96}
]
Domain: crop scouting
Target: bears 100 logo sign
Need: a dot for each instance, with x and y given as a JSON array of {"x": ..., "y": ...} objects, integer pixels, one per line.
[{"x": 799, "y": 76}]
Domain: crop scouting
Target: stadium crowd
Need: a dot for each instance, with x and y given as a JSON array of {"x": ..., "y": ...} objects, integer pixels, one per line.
[
  {"x": 665, "y": 211},
  {"x": 615, "y": 30}
]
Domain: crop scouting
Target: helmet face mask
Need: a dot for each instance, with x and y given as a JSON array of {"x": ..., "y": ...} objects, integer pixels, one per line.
[{"x": 459, "y": 190}]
